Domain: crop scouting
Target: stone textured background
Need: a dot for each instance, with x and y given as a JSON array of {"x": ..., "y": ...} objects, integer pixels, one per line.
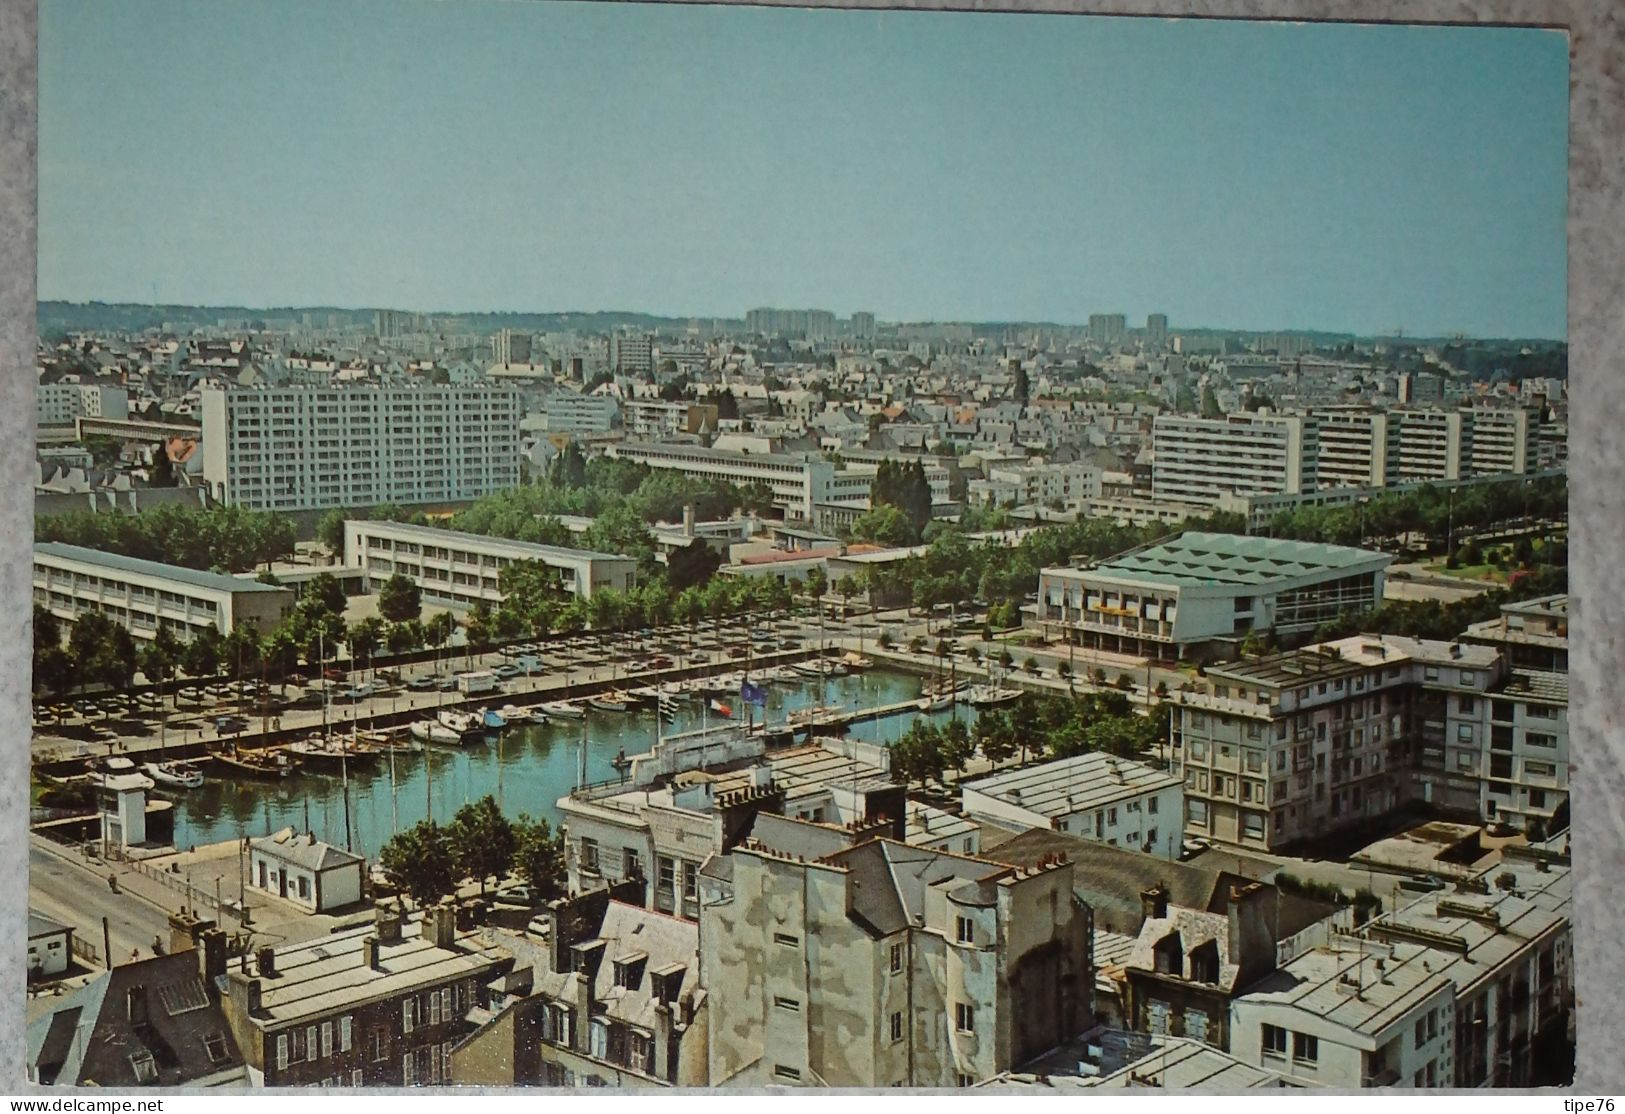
[{"x": 1597, "y": 455}]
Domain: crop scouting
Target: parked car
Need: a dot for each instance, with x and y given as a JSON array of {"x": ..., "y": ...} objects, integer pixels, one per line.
[
  {"x": 521, "y": 895},
  {"x": 1421, "y": 883},
  {"x": 422, "y": 684},
  {"x": 446, "y": 684},
  {"x": 505, "y": 670}
]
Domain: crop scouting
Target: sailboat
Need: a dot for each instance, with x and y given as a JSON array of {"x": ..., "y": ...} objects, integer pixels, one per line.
[
  {"x": 172, "y": 773},
  {"x": 563, "y": 709},
  {"x": 432, "y": 731}
]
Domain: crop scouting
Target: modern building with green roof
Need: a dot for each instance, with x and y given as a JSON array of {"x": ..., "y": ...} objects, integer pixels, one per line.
[{"x": 1193, "y": 595}]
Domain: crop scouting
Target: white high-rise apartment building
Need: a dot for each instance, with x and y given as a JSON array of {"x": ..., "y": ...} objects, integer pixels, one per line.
[
  {"x": 61, "y": 403},
  {"x": 1505, "y": 439},
  {"x": 1431, "y": 445},
  {"x": 1355, "y": 447},
  {"x": 1199, "y": 459},
  {"x": 311, "y": 448}
]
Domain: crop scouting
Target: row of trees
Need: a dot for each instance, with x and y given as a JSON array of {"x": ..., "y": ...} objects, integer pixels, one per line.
[
  {"x": 958, "y": 570},
  {"x": 225, "y": 539},
  {"x": 100, "y": 652},
  {"x": 1432, "y": 619},
  {"x": 534, "y": 606},
  {"x": 1436, "y": 514},
  {"x": 428, "y": 861},
  {"x": 1045, "y": 726}
]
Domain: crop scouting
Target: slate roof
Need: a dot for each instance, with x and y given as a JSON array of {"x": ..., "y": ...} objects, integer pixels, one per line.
[
  {"x": 177, "y": 1027},
  {"x": 304, "y": 851},
  {"x": 890, "y": 880},
  {"x": 1110, "y": 880}
]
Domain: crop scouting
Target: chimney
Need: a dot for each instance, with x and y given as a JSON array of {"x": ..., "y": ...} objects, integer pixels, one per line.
[
  {"x": 440, "y": 924},
  {"x": 388, "y": 920},
  {"x": 1154, "y": 902},
  {"x": 211, "y": 956},
  {"x": 265, "y": 958},
  {"x": 1253, "y": 917},
  {"x": 369, "y": 952}
]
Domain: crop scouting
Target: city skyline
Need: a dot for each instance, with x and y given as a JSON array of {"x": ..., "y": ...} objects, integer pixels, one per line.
[{"x": 867, "y": 165}]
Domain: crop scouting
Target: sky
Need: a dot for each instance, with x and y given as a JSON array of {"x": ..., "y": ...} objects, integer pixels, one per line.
[{"x": 701, "y": 161}]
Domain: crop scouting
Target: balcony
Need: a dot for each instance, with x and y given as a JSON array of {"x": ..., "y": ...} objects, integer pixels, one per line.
[{"x": 1382, "y": 1077}]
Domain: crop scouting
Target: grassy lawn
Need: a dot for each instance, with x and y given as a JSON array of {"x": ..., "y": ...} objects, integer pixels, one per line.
[{"x": 1471, "y": 572}]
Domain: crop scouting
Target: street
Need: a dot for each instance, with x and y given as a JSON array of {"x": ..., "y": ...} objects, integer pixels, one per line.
[{"x": 79, "y": 897}]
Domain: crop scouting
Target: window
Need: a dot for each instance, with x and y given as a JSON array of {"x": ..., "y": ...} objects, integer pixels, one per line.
[
  {"x": 1305, "y": 1049},
  {"x": 964, "y": 931},
  {"x": 214, "y": 1046},
  {"x": 1464, "y": 732},
  {"x": 344, "y": 1034},
  {"x": 1466, "y": 704},
  {"x": 630, "y": 866},
  {"x": 785, "y": 940},
  {"x": 665, "y": 873},
  {"x": 146, "y": 1068},
  {"x": 896, "y": 1027},
  {"x": 281, "y": 1051},
  {"x": 896, "y": 958},
  {"x": 788, "y": 1004},
  {"x": 434, "y": 1008},
  {"x": 691, "y": 882},
  {"x": 781, "y": 1071},
  {"x": 1151, "y": 806},
  {"x": 409, "y": 1074},
  {"x": 310, "y": 1043},
  {"x": 1431, "y": 673},
  {"x": 964, "y": 1017},
  {"x": 1198, "y": 750},
  {"x": 589, "y": 855},
  {"x": 357, "y": 1079},
  {"x": 304, "y": 887},
  {"x": 1196, "y": 812},
  {"x": 380, "y": 1045},
  {"x": 327, "y": 1039},
  {"x": 1252, "y": 825},
  {"x": 1420, "y": 1035},
  {"x": 408, "y": 1014}
]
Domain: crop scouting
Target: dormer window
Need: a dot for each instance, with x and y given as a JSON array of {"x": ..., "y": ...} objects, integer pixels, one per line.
[
  {"x": 146, "y": 1068},
  {"x": 1170, "y": 955}
]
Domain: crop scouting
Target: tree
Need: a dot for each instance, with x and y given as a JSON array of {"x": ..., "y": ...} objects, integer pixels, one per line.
[
  {"x": 403, "y": 638},
  {"x": 419, "y": 861},
  {"x": 160, "y": 656},
  {"x": 399, "y": 599},
  {"x": 363, "y": 637},
  {"x": 201, "y": 656},
  {"x": 53, "y": 665},
  {"x": 538, "y": 855},
  {"x": 438, "y": 630},
  {"x": 330, "y": 530},
  {"x": 1031, "y": 665},
  {"x": 325, "y": 591},
  {"x": 817, "y": 583},
  {"x": 482, "y": 841},
  {"x": 102, "y": 651},
  {"x": 958, "y": 747}
]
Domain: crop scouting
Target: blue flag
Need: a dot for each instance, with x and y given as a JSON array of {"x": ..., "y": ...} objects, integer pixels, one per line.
[{"x": 752, "y": 694}]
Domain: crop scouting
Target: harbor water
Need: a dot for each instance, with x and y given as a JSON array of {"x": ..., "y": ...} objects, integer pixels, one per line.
[{"x": 526, "y": 767}]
